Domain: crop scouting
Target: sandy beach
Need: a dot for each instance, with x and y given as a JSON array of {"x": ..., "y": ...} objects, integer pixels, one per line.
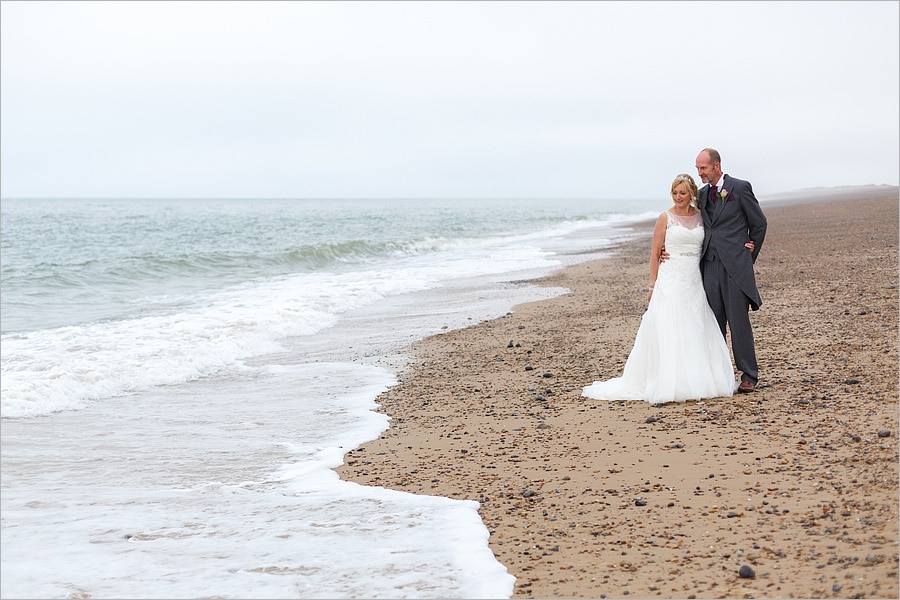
[{"x": 796, "y": 482}]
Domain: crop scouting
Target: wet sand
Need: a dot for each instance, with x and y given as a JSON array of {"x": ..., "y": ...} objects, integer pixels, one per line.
[{"x": 797, "y": 481}]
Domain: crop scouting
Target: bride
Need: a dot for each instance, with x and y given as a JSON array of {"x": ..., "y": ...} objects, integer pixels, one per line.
[{"x": 679, "y": 353}]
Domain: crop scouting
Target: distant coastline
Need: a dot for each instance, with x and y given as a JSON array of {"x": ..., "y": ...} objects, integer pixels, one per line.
[{"x": 819, "y": 194}]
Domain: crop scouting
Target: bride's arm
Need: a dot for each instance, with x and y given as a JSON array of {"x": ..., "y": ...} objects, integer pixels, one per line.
[{"x": 656, "y": 246}]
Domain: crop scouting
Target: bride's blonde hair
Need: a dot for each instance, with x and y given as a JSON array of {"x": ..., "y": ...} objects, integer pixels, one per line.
[{"x": 688, "y": 181}]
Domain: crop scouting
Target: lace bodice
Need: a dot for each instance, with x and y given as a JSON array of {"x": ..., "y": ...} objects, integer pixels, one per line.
[
  {"x": 684, "y": 235},
  {"x": 681, "y": 273}
]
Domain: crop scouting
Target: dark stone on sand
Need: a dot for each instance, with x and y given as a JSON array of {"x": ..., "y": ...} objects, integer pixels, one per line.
[
  {"x": 548, "y": 374},
  {"x": 851, "y": 380},
  {"x": 528, "y": 493},
  {"x": 529, "y": 368},
  {"x": 543, "y": 426},
  {"x": 640, "y": 502},
  {"x": 510, "y": 344},
  {"x": 651, "y": 420},
  {"x": 884, "y": 433},
  {"x": 746, "y": 572}
]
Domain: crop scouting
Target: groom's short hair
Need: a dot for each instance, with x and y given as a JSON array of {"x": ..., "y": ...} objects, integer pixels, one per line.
[{"x": 714, "y": 156}]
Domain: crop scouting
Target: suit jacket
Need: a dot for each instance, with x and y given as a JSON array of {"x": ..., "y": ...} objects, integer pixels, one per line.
[{"x": 729, "y": 224}]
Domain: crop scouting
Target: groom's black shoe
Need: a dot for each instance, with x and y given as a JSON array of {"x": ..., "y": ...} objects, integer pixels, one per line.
[{"x": 746, "y": 386}]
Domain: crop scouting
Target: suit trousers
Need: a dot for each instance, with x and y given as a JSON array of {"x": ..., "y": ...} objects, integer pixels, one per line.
[{"x": 732, "y": 306}]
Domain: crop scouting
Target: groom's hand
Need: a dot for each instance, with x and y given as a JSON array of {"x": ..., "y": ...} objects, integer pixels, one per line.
[{"x": 663, "y": 255}]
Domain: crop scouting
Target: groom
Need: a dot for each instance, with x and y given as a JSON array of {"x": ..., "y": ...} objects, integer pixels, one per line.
[{"x": 732, "y": 217}]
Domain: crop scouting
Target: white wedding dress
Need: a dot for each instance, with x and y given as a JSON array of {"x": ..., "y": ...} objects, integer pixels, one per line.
[{"x": 679, "y": 353}]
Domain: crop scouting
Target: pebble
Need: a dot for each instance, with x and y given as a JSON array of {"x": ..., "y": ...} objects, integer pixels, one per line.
[
  {"x": 746, "y": 572},
  {"x": 640, "y": 502},
  {"x": 851, "y": 380},
  {"x": 884, "y": 433}
]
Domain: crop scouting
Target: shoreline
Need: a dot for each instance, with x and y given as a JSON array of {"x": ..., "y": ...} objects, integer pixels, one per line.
[{"x": 594, "y": 499}]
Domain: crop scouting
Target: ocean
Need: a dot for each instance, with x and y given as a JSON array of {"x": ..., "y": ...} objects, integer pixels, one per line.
[{"x": 180, "y": 377}]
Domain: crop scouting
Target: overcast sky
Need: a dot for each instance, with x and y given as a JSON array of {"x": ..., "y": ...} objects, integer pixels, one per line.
[{"x": 442, "y": 99}]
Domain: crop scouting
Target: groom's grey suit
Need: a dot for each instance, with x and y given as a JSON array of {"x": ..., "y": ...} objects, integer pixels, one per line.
[{"x": 727, "y": 265}]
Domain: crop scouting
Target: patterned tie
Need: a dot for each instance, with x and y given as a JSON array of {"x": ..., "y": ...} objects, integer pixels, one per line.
[{"x": 712, "y": 190}]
